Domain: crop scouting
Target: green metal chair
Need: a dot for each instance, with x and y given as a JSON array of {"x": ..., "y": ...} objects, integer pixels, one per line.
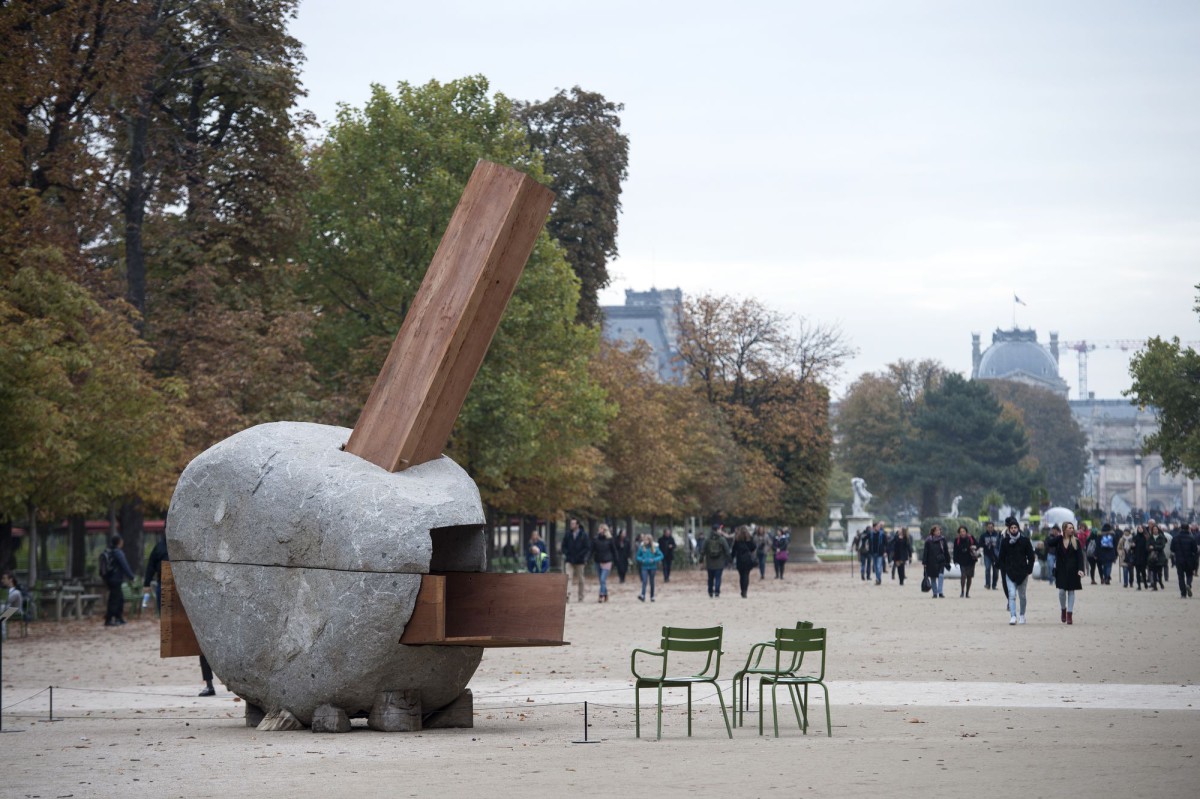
[
  {"x": 787, "y": 643},
  {"x": 741, "y": 680},
  {"x": 695, "y": 641}
]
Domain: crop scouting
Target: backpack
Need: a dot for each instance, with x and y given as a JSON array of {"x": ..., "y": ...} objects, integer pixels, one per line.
[
  {"x": 1091, "y": 548},
  {"x": 713, "y": 548},
  {"x": 106, "y": 565},
  {"x": 864, "y": 544}
]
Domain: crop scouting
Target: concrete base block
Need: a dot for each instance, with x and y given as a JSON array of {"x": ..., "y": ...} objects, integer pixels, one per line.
[
  {"x": 280, "y": 721},
  {"x": 458, "y": 714},
  {"x": 396, "y": 711},
  {"x": 254, "y": 714},
  {"x": 328, "y": 718}
]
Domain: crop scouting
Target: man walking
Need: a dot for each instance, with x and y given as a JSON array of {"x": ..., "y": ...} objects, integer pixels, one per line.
[
  {"x": 666, "y": 545},
  {"x": 1016, "y": 561},
  {"x": 877, "y": 543},
  {"x": 1186, "y": 551},
  {"x": 576, "y": 549}
]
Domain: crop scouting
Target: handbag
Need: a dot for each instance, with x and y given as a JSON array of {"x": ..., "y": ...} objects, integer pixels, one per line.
[
  {"x": 781, "y": 555},
  {"x": 926, "y": 585}
]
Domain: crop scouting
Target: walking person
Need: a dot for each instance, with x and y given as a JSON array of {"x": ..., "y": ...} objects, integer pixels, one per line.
[
  {"x": 623, "y": 551},
  {"x": 762, "y": 545},
  {"x": 1053, "y": 540},
  {"x": 1186, "y": 551},
  {"x": 648, "y": 558},
  {"x": 666, "y": 545},
  {"x": 937, "y": 560},
  {"x": 716, "y": 555},
  {"x": 989, "y": 542},
  {"x": 902, "y": 552},
  {"x": 604, "y": 552},
  {"x": 743, "y": 557},
  {"x": 1125, "y": 558},
  {"x": 1156, "y": 542},
  {"x": 779, "y": 551},
  {"x": 114, "y": 568},
  {"x": 1106, "y": 553},
  {"x": 862, "y": 545},
  {"x": 965, "y": 553},
  {"x": 13, "y": 600},
  {"x": 1068, "y": 573},
  {"x": 576, "y": 549},
  {"x": 1141, "y": 556},
  {"x": 877, "y": 548},
  {"x": 1090, "y": 543},
  {"x": 1016, "y": 561}
]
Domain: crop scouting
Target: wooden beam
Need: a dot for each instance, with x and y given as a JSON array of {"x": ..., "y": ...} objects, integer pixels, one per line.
[
  {"x": 488, "y": 610},
  {"x": 176, "y": 637},
  {"x": 420, "y": 390}
]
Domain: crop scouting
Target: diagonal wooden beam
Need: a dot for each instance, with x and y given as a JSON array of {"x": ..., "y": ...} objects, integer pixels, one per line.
[{"x": 420, "y": 390}]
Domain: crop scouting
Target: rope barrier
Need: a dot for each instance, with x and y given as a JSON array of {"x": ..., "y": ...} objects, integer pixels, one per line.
[{"x": 26, "y": 699}]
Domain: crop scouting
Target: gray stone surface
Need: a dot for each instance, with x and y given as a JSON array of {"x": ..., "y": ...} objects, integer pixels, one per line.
[
  {"x": 396, "y": 711},
  {"x": 299, "y": 566},
  {"x": 280, "y": 721}
]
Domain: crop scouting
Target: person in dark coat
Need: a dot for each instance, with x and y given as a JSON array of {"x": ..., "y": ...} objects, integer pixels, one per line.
[
  {"x": 1156, "y": 544},
  {"x": 937, "y": 560},
  {"x": 1141, "y": 554},
  {"x": 154, "y": 571},
  {"x": 1106, "y": 553},
  {"x": 1016, "y": 563},
  {"x": 666, "y": 545},
  {"x": 576, "y": 549},
  {"x": 118, "y": 573},
  {"x": 1069, "y": 565},
  {"x": 989, "y": 542},
  {"x": 902, "y": 552},
  {"x": 624, "y": 551},
  {"x": 743, "y": 557},
  {"x": 1186, "y": 551},
  {"x": 965, "y": 552},
  {"x": 604, "y": 552}
]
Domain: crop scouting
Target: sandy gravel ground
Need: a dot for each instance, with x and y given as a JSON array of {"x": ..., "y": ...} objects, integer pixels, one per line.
[{"x": 929, "y": 698}]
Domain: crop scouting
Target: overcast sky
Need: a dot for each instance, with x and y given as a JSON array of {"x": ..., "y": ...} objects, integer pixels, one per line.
[{"x": 899, "y": 168}]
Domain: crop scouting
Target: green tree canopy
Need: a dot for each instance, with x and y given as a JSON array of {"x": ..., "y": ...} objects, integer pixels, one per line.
[
  {"x": 1057, "y": 444},
  {"x": 1166, "y": 376},
  {"x": 585, "y": 156},
  {"x": 387, "y": 179}
]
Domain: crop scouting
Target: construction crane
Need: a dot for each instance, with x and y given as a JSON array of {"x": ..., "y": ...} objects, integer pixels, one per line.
[{"x": 1082, "y": 348}]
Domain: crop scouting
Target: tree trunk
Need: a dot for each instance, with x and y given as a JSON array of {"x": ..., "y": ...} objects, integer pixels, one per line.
[
  {"x": 131, "y": 520},
  {"x": 31, "y": 534},
  {"x": 7, "y": 561},
  {"x": 76, "y": 547},
  {"x": 135, "y": 213},
  {"x": 929, "y": 508}
]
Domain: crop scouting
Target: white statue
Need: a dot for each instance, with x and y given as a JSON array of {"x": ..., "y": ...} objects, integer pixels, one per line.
[
  {"x": 861, "y": 497},
  {"x": 954, "y": 507}
]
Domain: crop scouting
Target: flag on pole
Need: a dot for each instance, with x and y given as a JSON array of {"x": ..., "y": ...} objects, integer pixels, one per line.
[{"x": 1018, "y": 300}]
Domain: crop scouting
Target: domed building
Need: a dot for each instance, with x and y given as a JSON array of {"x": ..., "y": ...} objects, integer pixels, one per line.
[{"x": 1016, "y": 355}]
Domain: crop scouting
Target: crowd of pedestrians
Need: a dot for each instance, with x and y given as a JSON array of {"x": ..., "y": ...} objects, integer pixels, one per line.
[{"x": 1143, "y": 557}]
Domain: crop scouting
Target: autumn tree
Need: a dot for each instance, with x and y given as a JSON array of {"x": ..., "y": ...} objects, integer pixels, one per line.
[
  {"x": 388, "y": 177},
  {"x": 745, "y": 360},
  {"x": 585, "y": 156},
  {"x": 1057, "y": 444}
]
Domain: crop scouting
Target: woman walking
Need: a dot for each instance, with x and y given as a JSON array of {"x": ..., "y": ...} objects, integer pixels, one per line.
[
  {"x": 648, "y": 558},
  {"x": 1141, "y": 555},
  {"x": 1068, "y": 572},
  {"x": 604, "y": 552},
  {"x": 937, "y": 560},
  {"x": 762, "y": 545},
  {"x": 743, "y": 557},
  {"x": 965, "y": 551},
  {"x": 780, "y": 549},
  {"x": 902, "y": 552},
  {"x": 1125, "y": 550},
  {"x": 1156, "y": 542}
]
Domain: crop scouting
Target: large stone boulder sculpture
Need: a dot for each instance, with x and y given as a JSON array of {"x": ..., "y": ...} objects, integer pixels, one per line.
[{"x": 299, "y": 564}]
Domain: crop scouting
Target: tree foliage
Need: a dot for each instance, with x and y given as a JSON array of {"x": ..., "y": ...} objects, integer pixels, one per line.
[
  {"x": 387, "y": 179},
  {"x": 585, "y": 156},
  {"x": 1166, "y": 376},
  {"x": 963, "y": 444},
  {"x": 744, "y": 360},
  {"x": 1057, "y": 444}
]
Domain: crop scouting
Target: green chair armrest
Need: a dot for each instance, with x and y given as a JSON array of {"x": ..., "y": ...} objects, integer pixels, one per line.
[{"x": 652, "y": 653}]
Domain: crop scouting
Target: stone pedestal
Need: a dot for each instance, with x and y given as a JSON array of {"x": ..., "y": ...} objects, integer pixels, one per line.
[
  {"x": 802, "y": 549},
  {"x": 837, "y": 534},
  {"x": 855, "y": 525}
]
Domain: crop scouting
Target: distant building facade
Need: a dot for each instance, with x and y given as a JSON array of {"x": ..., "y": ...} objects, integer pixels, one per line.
[
  {"x": 1119, "y": 479},
  {"x": 653, "y": 317}
]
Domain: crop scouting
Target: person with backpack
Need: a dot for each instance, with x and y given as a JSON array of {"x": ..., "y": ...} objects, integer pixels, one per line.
[
  {"x": 743, "y": 556},
  {"x": 862, "y": 545},
  {"x": 1106, "y": 553},
  {"x": 114, "y": 570},
  {"x": 716, "y": 555}
]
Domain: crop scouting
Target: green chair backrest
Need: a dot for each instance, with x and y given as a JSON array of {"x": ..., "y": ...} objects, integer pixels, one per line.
[
  {"x": 800, "y": 640},
  {"x": 695, "y": 639}
]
